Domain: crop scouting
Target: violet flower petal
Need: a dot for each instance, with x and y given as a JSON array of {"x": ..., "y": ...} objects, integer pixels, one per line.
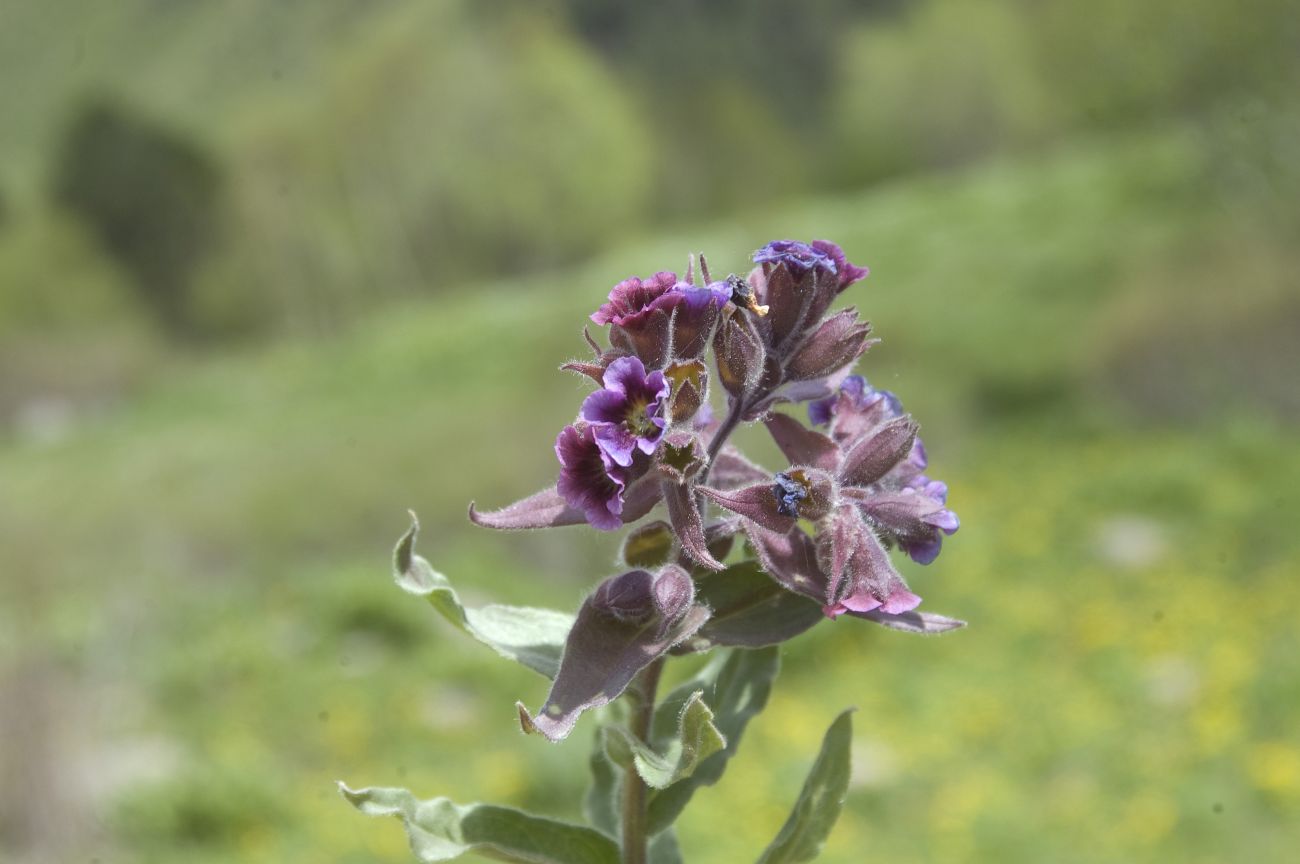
[{"x": 588, "y": 481}]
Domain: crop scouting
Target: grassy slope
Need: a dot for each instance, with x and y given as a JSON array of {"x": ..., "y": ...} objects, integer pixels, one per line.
[{"x": 213, "y": 555}]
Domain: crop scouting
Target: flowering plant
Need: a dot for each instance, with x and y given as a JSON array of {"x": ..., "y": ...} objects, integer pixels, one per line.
[{"x": 744, "y": 559}]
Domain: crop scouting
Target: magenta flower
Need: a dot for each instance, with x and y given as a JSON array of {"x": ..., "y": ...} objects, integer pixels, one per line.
[
  {"x": 660, "y": 318},
  {"x": 628, "y": 414},
  {"x": 633, "y": 299},
  {"x": 589, "y": 479}
]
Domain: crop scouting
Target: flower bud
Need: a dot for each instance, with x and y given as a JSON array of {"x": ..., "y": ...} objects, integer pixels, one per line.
[
  {"x": 648, "y": 545},
  {"x": 628, "y": 597},
  {"x": 837, "y": 342},
  {"x": 800, "y": 284},
  {"x": 690, "y": 389},
  {"x": 674, "y": 592},
  {"x": 740, "y": 354},
  {"x": 877, "y": 452}
]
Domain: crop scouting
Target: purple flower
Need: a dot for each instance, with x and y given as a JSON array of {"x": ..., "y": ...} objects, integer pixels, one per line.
[
  {"x": 660, "y": 318},
  {"x": 848, "y": 273},
  {"x": 633, "y": 299},
  {"x": 858, "y": 396},
  {"x": 797, "y": 257},
  {"x": 589, "y": 480},
  {"x": 627, "y": 415},
  {"x": 904, "y": 505},
  {"x": 923, "y": 543}
]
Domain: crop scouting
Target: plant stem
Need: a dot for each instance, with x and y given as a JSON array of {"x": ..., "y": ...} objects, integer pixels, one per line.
[
  {"x": 729, "y": 424},
  {"x": 635, "y": 823}
]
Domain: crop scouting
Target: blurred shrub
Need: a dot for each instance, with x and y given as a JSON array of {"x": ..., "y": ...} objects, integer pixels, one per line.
[
  {"x": 937, "y": 86},
  {"x": 1115, "y": 62},
  {"x": 54, "y": 275},
  {"x": 71, "y": 327},
  {"x": 388, "y": 149},
  {"x": 210, "y": 809},
  {"x": 149, "y": 194},
  {"x": 443, "y": 150},
  {"x": 947, "y": 81},
  {"x": 739, "y": 90}
]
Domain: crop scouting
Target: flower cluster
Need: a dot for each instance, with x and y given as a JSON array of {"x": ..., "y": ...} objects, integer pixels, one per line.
[{"x": 855, "y": 486}]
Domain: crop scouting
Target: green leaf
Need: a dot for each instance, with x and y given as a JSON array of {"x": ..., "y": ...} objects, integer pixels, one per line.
[
  {"x": 736, "y": 684},
  {"x": 601, "y": 804},
  {"x": 750, "y": 609},
  {"x": 664, "y": 849},
  {"x": 533, "y": 637},
  {"x": 697, "y": 739},
  {"x": 820, "y": 802},
  {"x": 440, "y": 830}
]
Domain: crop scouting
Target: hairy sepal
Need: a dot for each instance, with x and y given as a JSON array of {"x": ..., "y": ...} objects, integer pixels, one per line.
[{"x": 623, "y": 626}]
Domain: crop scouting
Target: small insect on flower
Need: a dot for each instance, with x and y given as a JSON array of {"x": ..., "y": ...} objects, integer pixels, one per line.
[
  {"x": 742, "y": 294},
  {"x": 789, "y": 491}
]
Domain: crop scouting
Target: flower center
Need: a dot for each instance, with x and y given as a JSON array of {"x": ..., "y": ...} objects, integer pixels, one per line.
[{"x": 640, "y": 418}]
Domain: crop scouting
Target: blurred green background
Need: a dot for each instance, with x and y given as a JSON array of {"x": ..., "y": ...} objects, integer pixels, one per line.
[{"x": 271, "y": 273}]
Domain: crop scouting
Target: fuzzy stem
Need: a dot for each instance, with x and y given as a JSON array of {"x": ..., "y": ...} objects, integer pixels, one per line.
[
  {"x": 729, "y": 424},
  {"x": 635, "y": 824}
]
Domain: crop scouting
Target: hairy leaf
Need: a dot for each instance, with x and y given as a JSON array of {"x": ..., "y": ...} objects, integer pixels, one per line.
[
  {"x": 750, "y": 610},
  {"x": 697, "y": 739},
  {"x": 684, "y": 512},
  {"x": 820, "y": 801},
  {"x": 609, "y": 645},
  {"x": 736, "y": 684},
  {"x": 601, "y": 803},
  {"x": 440, "y": 830},
  {"x": 925, "y": 623},
  {"x": 664, "y": 849},
  {"x": 533, "y": 637},
  {"x": 801, "y": 445}
]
